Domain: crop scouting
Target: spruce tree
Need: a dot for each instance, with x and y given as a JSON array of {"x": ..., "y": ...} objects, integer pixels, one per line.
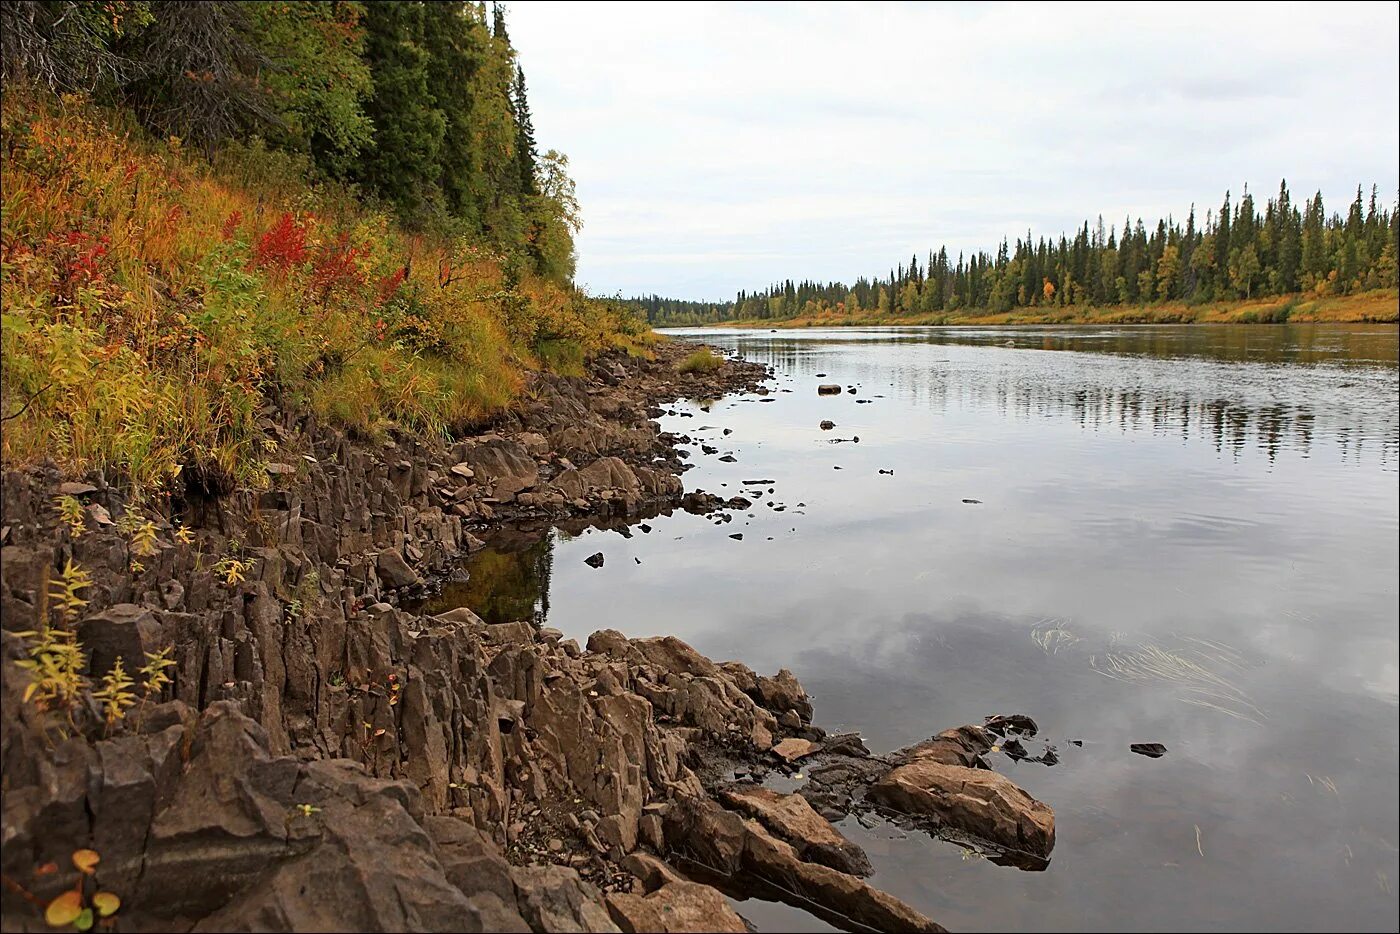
[{"x": 524, "y": 136}]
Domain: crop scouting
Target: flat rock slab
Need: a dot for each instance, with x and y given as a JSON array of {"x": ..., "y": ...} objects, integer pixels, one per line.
[
  {"x": 977, "y": 801},
  {"x": 792, "y": 819},
  {"x": 792, "y": 749}
]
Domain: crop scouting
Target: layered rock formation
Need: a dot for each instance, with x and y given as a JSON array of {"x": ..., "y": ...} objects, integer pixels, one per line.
[{"x": 327, "y": 760}]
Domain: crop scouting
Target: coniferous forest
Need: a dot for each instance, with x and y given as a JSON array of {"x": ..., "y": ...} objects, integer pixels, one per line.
[
  {"x": 418, "y": 106},
  {"x": 1236, "y": 253}
]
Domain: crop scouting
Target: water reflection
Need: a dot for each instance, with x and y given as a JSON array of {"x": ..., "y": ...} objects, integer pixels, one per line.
[
  {"x": 1177, "y": 537},
  {"x": 1301, "y": 383}
]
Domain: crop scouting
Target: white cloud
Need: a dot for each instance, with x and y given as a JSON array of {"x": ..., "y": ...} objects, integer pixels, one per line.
[{"x": 722, "y": 146}]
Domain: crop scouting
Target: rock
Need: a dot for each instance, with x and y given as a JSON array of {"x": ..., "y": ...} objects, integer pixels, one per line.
[
  {"x": 828, "y": 389},
  {"x": 791, "y": 818},
  {"x": 739, "y": 848},
  {"x": 503, "y": 466},
  {"x": 973, "y": 502},
  {"x": 729, "y": 459},
  {"x": 675, "y": 907},
  {"x": 594, "y": 560},
  {"x": 1151, "y": 750},
  {"x": 827, "y": 424},
  {"x": 555, "y": 899},
  {"x": 784, "y": 692},
  {"x": 963, "y": 746},
  {"x": 651, "y": 870},
  {"x": 279, "y": 470},
  {"x": 1012, "y": 723},
  {"x": 520, "y": 633},
  {"x": 737, "y": 536},
  {"x": 845, "y": 744},
  {"x": 792, "y": 749},
  {"x": 76, "y": 489},
  {"x": 124, "y": 630},
  {"x": 394, "y": 570},
  {"x": 463, "y": 470},
  {"x": 473, "y": 864},
  {"x": 977, "y": 801}
]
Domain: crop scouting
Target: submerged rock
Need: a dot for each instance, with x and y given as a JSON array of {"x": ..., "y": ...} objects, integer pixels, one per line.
[{"x": 594, "y": 560}]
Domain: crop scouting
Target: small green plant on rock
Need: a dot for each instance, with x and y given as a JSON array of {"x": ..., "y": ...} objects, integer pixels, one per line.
[
  {"x": 71, "y": 514},
  {"x": 70, "y": 909},
  {"x": 115, "y": 696}
]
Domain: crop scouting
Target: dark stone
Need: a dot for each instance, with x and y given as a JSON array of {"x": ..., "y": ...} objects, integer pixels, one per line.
[
  {"x": 1151, "y": 750},
  {"x": 594, "y": 560}
]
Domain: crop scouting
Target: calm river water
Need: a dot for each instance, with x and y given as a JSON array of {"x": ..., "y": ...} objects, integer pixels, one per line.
[{"x": 1180, "y": 535}]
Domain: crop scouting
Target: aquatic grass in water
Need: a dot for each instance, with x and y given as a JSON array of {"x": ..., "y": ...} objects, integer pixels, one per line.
[{"x": 1189, "y": 670}]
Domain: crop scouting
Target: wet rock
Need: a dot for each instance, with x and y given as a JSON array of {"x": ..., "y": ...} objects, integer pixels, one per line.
[
  {"x": 771, "y": 859},
  {"x": 791, "y": 818},
  {"x": 792, "y": 749},
  {"x": 394, "y": 571},
  {"x": 1016, "y": 723},
  {"x": 594, "y": 560},
  {"x": 977, "y": 801},
  {"x": 729, "y": 459},
  {"x": 828, "y": 389},
  {"x": 1151, "y": 750},
  {"x": 827, "y": 425},
  {"x": 964, "y": 745},
  {"x": 737, "y": 536},
  {"x": 675, "y": 907},
  {"x": 973, "y": 502}
]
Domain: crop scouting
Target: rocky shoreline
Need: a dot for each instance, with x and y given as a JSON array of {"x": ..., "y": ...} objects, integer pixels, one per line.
[{"x": 325, "y": 759}]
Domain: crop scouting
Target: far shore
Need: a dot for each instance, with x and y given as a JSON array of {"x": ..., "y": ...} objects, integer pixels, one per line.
[{"x": 1381, "y": 306}]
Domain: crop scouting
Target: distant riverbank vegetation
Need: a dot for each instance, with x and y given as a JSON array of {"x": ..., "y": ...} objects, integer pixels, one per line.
[
  {"x": 1238, "y": 264},
  {"x": 210, "y": 208}
]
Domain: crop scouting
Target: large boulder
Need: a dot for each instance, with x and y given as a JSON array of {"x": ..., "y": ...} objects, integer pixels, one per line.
[{"x": 977, "y": 801}]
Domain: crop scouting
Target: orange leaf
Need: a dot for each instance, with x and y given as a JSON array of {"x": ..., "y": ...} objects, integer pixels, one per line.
[
  {"x": 47, "y": 869},
  {"x": 85, "y": 860},
  {"x": 106, "y": 903},
  {"x": 64, "y": 910}
]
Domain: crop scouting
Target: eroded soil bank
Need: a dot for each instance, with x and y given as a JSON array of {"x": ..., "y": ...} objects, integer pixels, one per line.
[{"x": 325, "y": 759}]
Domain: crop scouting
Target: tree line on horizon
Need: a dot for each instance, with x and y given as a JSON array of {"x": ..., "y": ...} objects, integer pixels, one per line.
[
  {"x": 418, "y": 106},
  {"x": 1237, "y": 253}
]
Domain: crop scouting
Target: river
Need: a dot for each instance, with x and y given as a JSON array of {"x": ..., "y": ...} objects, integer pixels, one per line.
[{"x": 1176, "y": 535}]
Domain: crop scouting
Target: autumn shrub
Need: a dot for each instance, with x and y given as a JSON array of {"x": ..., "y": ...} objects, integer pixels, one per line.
[{"x": 155, "y": 302}]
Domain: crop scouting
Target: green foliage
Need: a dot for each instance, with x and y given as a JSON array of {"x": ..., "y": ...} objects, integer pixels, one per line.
[
  {"x": 319, "y": 78},
  {"x": 702, "y": 361}
]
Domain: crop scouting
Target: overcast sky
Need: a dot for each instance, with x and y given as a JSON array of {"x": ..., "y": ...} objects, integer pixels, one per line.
[{"x": 723, "y": 146}]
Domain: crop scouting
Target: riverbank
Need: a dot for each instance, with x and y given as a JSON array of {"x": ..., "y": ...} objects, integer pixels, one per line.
[
  {"x": 314, "y": 756},
  {"x": 1381, "y": 306}
]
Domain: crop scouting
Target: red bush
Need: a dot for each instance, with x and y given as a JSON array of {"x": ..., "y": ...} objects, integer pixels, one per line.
[{"x": 283, "y": 246}]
